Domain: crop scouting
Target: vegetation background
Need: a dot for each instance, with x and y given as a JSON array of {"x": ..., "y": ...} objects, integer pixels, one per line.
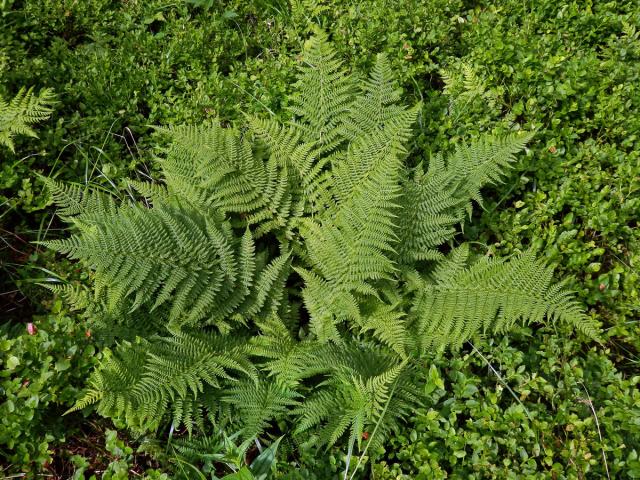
[{"x": 538, "y": 404}]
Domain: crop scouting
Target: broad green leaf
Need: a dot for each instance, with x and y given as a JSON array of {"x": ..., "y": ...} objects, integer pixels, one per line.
[{"x": 262, "y": 465}]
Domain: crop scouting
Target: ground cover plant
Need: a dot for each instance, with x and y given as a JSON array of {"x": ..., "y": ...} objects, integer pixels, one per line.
[{"x": 566, "y": 70}]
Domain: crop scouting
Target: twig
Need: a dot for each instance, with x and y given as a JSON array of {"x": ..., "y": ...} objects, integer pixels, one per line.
[
  {"x": 595, "y": 415},
  {"x": 502, "y": 380}
]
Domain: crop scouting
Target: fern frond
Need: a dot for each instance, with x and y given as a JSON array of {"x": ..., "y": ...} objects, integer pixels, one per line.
[
  {"x": 328, "y": 305},
  {"x": 437, "y": 200},
  {"x": 83, "y": 205},
  {"x": 377, "y": 105},
  {"x": 217, "y": 448},
  {"x": 215, "y": 168},
  {"x": 387, "y": 324},
  {"x": 325, "y": 93},
  {"x": 108, "y": 326},
  {"x": 145, "y": 380},
  {"x": 260, "y": 403},
  {"x": 354, "y": 243},
  {"x": 268, "y": 290},
  {"x": 155, "y": 192},
  {"x": 165, "y": 254},
  {"x": 285, "y": 357},
  {"x": 491, "y": 296},
  {"x": 301, "y": 161},
  {"x": 355, "y": 397},
  {"x": 464, "y": 85},
  {"x": 22, "y": 111}
]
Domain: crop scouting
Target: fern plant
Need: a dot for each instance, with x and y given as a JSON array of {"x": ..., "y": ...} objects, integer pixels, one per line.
[
  {"x": 294, "y": 273},
  {"x": 25, "y": 109}
]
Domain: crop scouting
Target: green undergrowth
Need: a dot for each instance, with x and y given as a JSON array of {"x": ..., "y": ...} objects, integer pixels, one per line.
[{"x": 568, "y": 70}]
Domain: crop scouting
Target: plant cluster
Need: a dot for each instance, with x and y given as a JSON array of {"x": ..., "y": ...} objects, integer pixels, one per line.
[
  {"x": 570, "y": 71},
  {"x": 566, "y": 70},
  {"x": 292, "y": 272},
  {"x": 43, "y": 367}
]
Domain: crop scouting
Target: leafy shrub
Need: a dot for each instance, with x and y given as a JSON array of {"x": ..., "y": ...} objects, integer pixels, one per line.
[
  {"x": 196, "y": 281},
  {"x": 471, "y": 426},
  {"x": 117, "y": 469},
  {"x": 43, "y": 366},
  {"x": 119, "y": 67}
]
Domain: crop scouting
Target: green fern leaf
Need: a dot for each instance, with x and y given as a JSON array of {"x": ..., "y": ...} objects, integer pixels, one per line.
[
  {"x": 490, "y": 296},
  {"x": 22, "y": 111}
]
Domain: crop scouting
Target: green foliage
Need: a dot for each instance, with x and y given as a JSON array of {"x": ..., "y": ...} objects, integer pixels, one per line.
[
  {"x": 120, "y": 67},
  {"x": 472, "y": 427},
  {"x": 118, "y": 468},
  {"x": 232, "y": 341},
  {"x": 42, "y": 371},
  {"x": 438, "y": 200},
  {"x": 568, "y": 70},
  {"x": 261, "y": 468},
  {"x": 491, "y": 295}
]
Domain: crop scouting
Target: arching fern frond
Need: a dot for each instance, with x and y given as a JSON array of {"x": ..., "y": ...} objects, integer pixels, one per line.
[
  {"x": 353, "y": 243},
  {"x": 377, "y": 105},
  {"x": 490, "y": 296},
  {"x": 83, "y": 205},
  {"x": 285, "y": 358},
  {"x": 214, "y": 167},
  {"x": 166, "y": 254},
  {"x": 146, "y": 380},
  {"x": 260, "y": 403},
  {"x": 301, "y": 161},
  {"x": 105, "y": 325},
  {"x": 436, "y": 201},
  {"x": 387, "y": 325},
  {"x": 356, "y": 396},
  {"x": 324, "y": 96},
  {"x": 155, "y": 192}
]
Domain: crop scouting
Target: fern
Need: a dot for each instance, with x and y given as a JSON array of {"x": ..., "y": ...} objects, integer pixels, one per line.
[
  {"x": 259, "y": 404},
  {"x": 467, "y": 86},
  {"x": 294, "y": 273},
  {"x": 437, "y": 200},
  {"x": 361, "y": 381},
  {"x": 107, "y": 325},
  {"x": 144, "y": 380},
  {"x": 82, "y": 205},
  {"x": 324, "y": 96},
  {"x": 490, "y": 296},
  {"x": 169, "y": 254},
  {"x": 22, "y": 111},
  {"x": 207, "y": 449}
]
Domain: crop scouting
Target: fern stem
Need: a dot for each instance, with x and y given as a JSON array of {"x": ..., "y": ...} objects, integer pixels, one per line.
[
  {"x": 352, "y": 441},
  {"x": 375, "y": 429}
]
